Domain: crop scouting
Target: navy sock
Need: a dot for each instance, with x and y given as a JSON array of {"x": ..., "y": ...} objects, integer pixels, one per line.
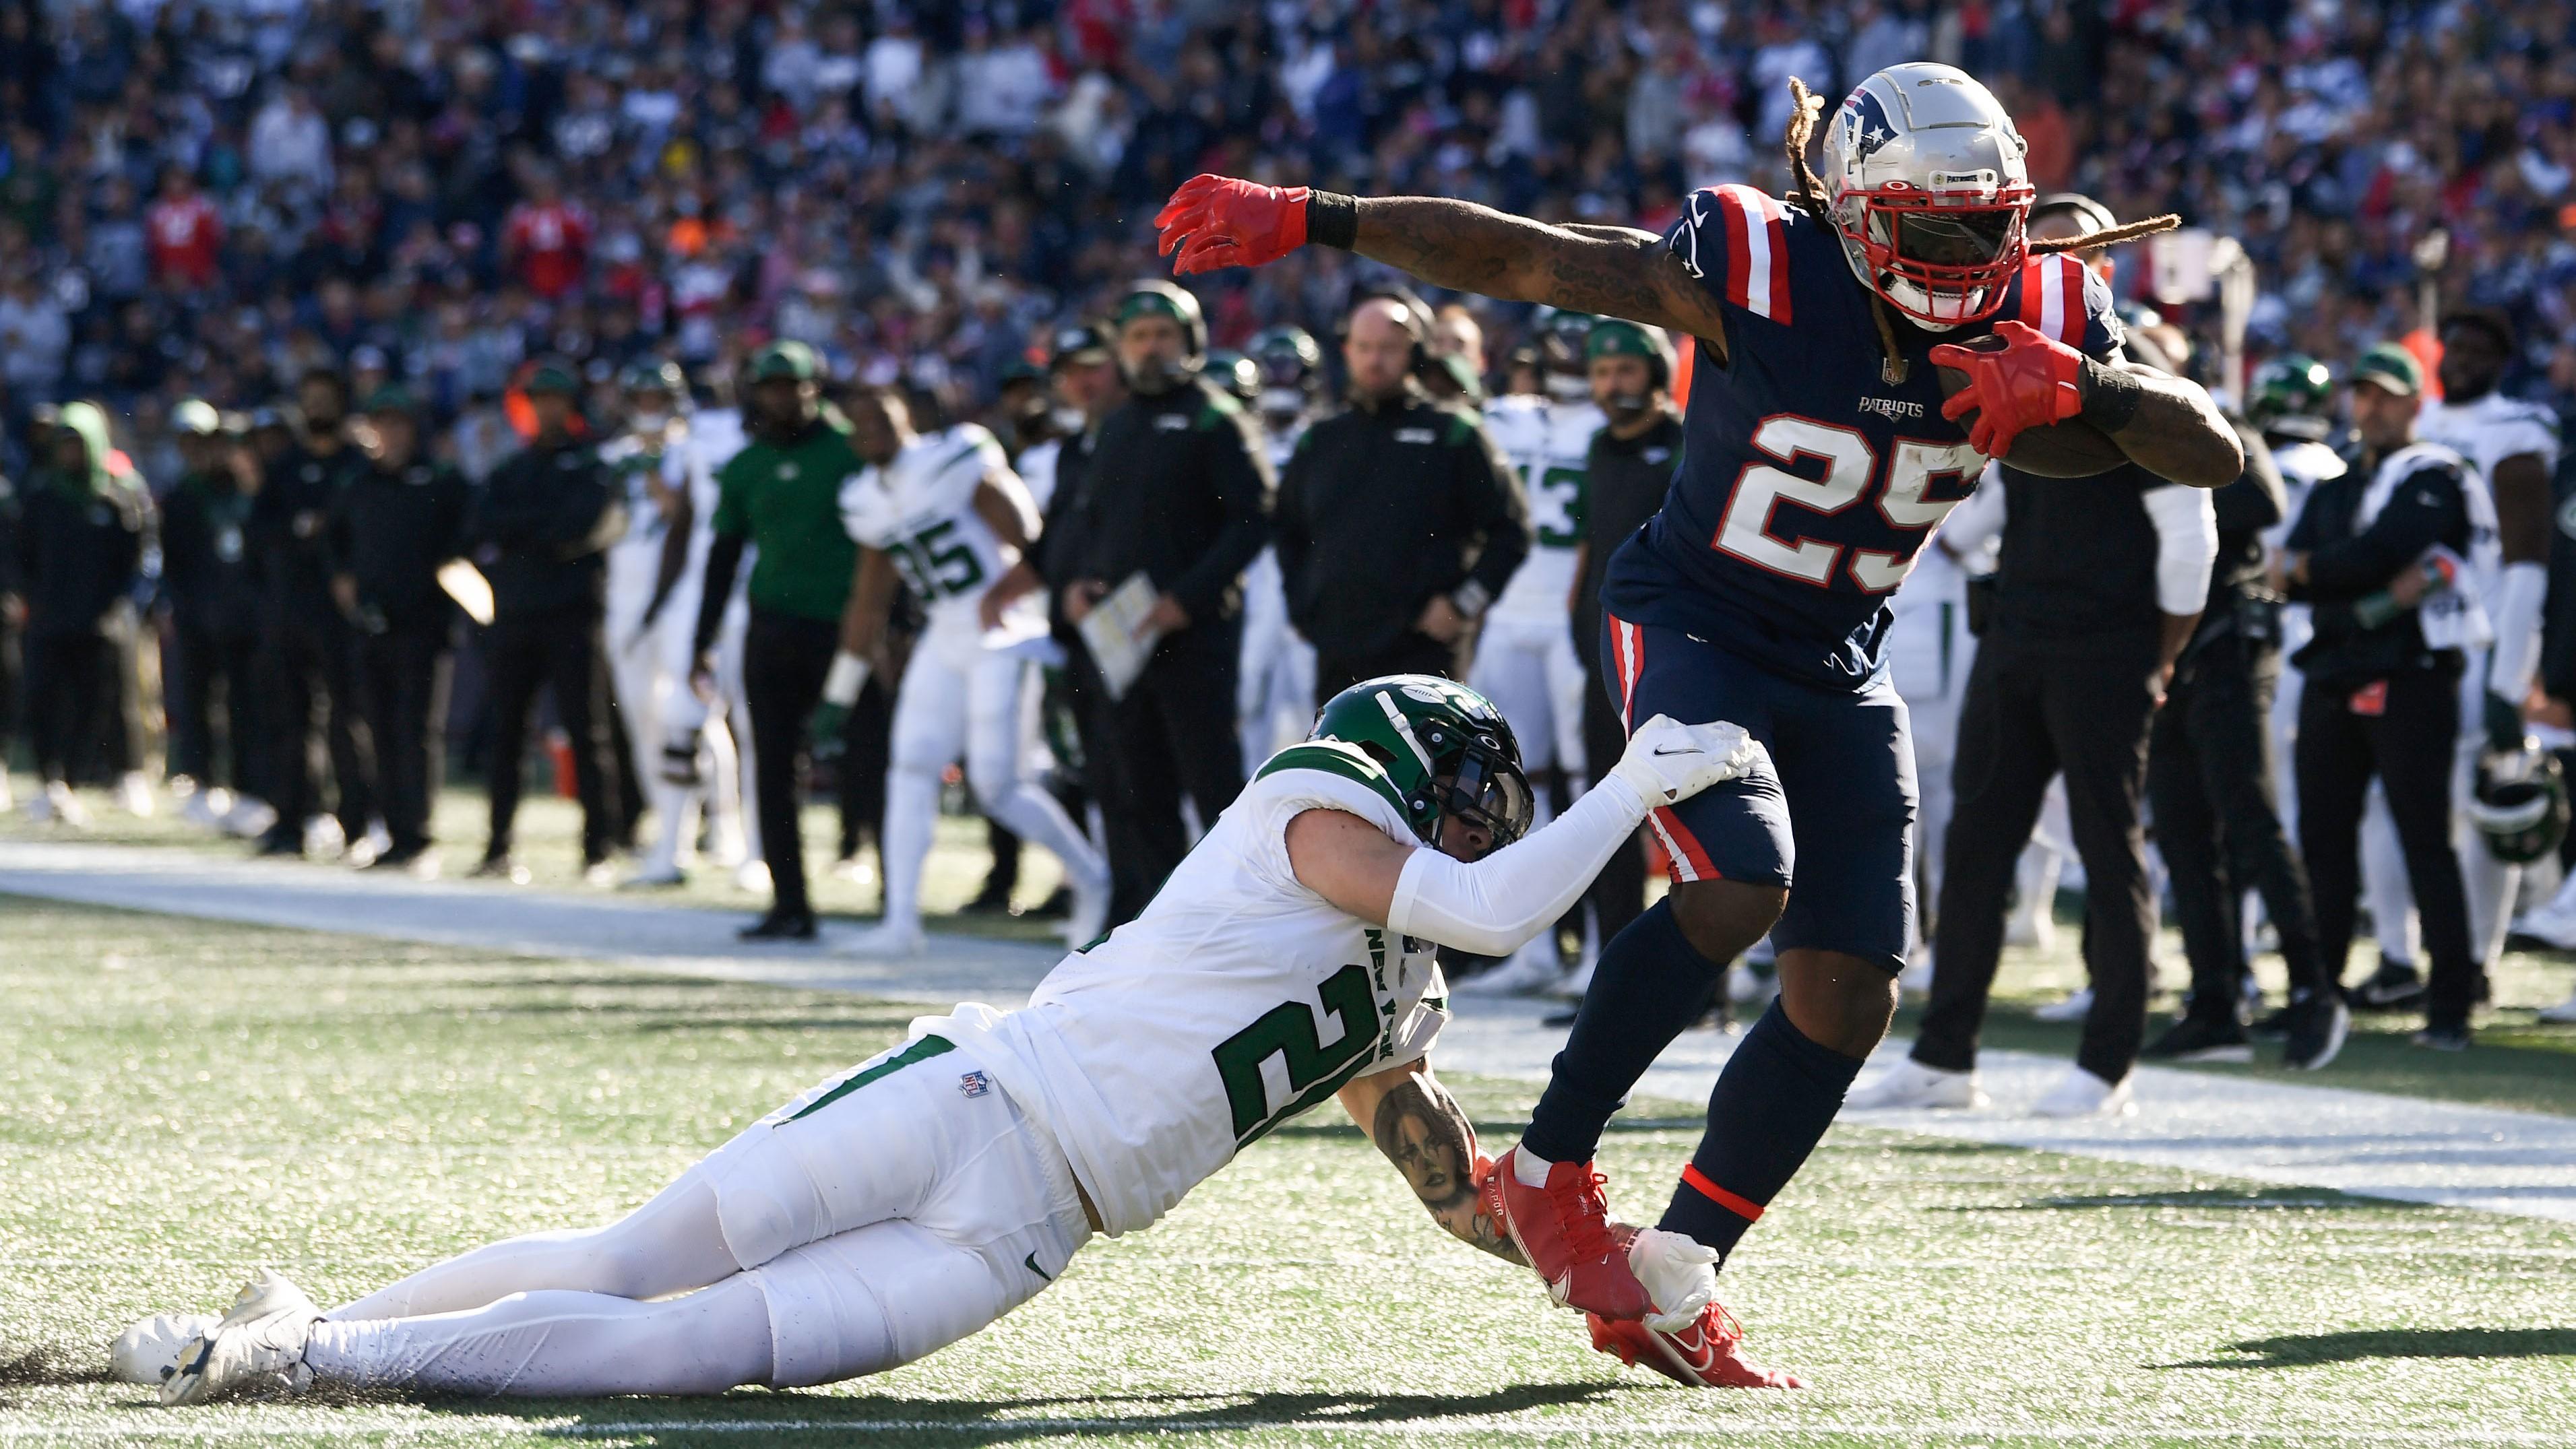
[
  {"x": 1648, "y": 986},
  {"x": 1772, "y": 1104}
]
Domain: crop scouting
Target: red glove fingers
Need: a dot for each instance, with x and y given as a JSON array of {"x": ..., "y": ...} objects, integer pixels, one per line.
[
  {"x": 2029, "y": 382},
  {"x": 1218, "y": 221}
]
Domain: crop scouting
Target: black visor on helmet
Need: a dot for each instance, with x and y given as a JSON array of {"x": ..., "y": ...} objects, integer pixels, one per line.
[
  {"x": 1969, "y": 237},
  {"x": 1490, "y": 794}
]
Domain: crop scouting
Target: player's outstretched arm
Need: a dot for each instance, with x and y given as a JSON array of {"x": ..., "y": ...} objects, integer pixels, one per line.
[
  {"x": 1426, "y": 1134},
  {"x": 1217, "y": 221},
  {"x": 1494, "y": 905}
]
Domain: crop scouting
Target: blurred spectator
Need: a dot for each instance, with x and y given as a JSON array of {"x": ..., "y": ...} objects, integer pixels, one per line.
[
  {"x": 80, "y": 550},
  {"x": 311, "y": 650},
  {"x": 212, "y": 596}
]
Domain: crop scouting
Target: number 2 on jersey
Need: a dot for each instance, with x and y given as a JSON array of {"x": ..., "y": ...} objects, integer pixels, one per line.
[
  {"x": 1849, "y": 461},
  {"x": 1315, "y": 1070}
]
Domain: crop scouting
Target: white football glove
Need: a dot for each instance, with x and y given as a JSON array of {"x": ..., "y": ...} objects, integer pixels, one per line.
[
  {"x": 1680, "y": 1276},
  {"x": 1668, "y": 762}
]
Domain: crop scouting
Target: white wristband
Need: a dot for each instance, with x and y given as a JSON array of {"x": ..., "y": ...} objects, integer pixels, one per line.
[{"x": 849, "y": 675}]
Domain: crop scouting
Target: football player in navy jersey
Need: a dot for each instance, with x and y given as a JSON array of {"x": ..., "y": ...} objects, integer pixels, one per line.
[{"x": 1820, "y": 454}]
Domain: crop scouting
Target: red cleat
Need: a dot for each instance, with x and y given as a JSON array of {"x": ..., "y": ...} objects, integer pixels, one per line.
[
  {"x": 1563, "y": 1229},
  {"x": 1707, "y": 1355}
]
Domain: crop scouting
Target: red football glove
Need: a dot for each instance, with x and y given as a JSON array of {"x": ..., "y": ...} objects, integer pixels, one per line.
[
  {"x": 1230, "y": 223},
  {"x": 2029, "y": 382}
]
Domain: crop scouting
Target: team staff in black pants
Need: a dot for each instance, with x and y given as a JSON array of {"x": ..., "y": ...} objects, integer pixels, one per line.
[
  {"x": 2383, "y": 673},
  {"x": 2210, "y": 779},
  {"x": 1398, "y": 519},
  {"x": 1176, "y": 488},
  {"x": 541, "y": 533},
  {"x": 212, "y": 593},
  {"x": 1625, "y": 478},
  {"x": 80, "y": 547},
  {"x": 311, "y": 650},
  {"x": 2099, "y": 587},
  {"x": 1083, "y": 365},
  {"x": 395, "y": 526},
  {"x": 781, "y": 495}
]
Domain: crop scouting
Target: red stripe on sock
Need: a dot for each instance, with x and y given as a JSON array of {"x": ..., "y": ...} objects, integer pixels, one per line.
[{"x": 1743, "y": 1208}]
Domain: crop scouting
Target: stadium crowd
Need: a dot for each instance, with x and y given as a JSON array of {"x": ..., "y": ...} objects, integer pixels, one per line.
[{"x": 255, "y": 248}]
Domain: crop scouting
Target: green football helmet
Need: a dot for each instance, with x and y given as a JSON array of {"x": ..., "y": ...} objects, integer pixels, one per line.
[
  {"x": 2290, "y": 396},
  {"x": 1444, "y": 749}
]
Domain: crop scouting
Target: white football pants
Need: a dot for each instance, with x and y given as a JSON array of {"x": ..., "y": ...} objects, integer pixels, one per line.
[
  {"x": 984, "y": 699},
  {"x": 1529, "y": 669},
  {"x": 889, "y": 1211},
  {"x": 1929, "y": 655},
  {"x": 1274, "y": 689},
  {"x": 651, "y": 668}
]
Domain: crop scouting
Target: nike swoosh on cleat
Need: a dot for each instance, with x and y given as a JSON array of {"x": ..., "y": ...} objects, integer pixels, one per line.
[{"x": 1031, "y": 1263}]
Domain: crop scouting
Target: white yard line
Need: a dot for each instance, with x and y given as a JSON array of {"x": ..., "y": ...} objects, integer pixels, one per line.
[
  {"x": 2403, "y": 1148},
  {"x": 1479, "y": 1428}
]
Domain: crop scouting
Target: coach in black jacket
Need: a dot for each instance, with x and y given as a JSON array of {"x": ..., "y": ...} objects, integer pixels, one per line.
[
  {"x": 396, "y": 524},
  {"x": 210, "y": 583},
  {"x": 312, "y": 652},
  {"x": 1175, "y": 487},
  {"x": 1397, "y": 521},
  {"x": 2382, "y": 691},
  {"x": 541, "y": 534}
]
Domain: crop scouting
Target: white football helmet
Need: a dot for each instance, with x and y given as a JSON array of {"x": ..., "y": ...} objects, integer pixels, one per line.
[{"x": 1924, "y": 174}]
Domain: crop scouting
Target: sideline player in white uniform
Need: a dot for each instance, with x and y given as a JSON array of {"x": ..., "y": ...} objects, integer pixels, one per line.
[
  {"x": 1929, "y": 653},
  {"x": 652, "y": 600},
  {"x": 945, "y": 512},
  {"x": 2513, "y": 446},
  {"x": 1275, "y": 685},
  {"x": 1525, "y": 660},
  {"x": 916, "y": 1198}
]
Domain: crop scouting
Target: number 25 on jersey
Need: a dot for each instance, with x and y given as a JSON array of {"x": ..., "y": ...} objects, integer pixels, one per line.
[{"x": 1905, "y": 501}]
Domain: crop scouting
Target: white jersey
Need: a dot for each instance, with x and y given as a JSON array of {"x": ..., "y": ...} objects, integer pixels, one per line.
[
  {"x": 2486, "y": 431},
  {"x": 635, "y": 558},
  {"x": 1549, "y": 443},
  {"x": 920, "y": 511},
  {"x": 1036, "y": 467},
  {"x": 1238, "y": 1000}
]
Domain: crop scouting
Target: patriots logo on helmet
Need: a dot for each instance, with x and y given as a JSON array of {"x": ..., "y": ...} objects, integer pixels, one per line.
[{"x": 1865, "y": 126}]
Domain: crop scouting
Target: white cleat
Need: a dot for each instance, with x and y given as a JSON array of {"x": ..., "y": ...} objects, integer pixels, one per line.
[
  {"x": 655, "y": 878},
  {"x": 206, "y": 809},
  {"x": 248, "y": 819},
  {"x": 148, "y": 1352},
  {"x": 752, "y": 877},
  {"x": 1532, "y": 969},
  {"x": 855, "y": 870},
  {"x": 1910, "y": 1086},
  {"x": 324, "y": 839},
  {"x": 2074, "y": 1006},
  {"x": 2549, "y": 925},
  {"x": 1090, "y": 912},
  {"x": 1578, "y": 982},
  {"x": 2081, "y": 1094},
  {"x": 599, "y": 875},
  {"x": 2561, "y": 1014},
  {"x": 134, "y": 795},
  {"x": 899, "y": 939},
  {"x": 58, "y": 804},
  {"x": 258, "y": 1347}
]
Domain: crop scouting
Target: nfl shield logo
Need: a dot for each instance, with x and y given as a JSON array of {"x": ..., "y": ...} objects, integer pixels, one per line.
[{"x": 974, "y": 1084}]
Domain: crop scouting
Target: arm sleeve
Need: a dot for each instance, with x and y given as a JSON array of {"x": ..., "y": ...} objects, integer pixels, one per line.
[
  {"x": 724, "y": 556},
  {"x": 2426, "y": 510},
  {"x": 1495, "y": 905},
  {"x": 2517, "y": 611},
  {"x": 1494, "y": 502},
  {"x": 1240, "y": 477},
  {"x": 2186, "y": 545}
]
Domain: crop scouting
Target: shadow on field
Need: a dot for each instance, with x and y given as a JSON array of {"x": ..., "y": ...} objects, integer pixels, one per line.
[
  {"x": 2237, "y": 1199},
  {"x": 2295, "y": 1350},
  {"x": 1002, "y": 1421}
]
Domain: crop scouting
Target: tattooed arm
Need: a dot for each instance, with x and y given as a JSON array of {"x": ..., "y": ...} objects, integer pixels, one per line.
[
  {"x": 1422, "y": 1130},
  {"x": 1609, "y": 269}
]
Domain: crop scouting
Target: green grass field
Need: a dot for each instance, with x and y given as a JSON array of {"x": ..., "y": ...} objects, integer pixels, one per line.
[{"x": 185, "y": 1100}]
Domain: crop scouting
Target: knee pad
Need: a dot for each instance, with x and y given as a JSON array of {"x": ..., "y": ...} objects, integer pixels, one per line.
[{"x": 872, "y": 1299}]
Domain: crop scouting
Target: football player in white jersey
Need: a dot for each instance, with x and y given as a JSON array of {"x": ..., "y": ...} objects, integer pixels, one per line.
[
  {"x": 944, "y": 513},
  {"x": 1525, "y": 658},
  {"x": 652, "y": 600},
  {"x": 1275, "y": 685},
  {"x": 911, "y": 1200},
  {"x": 2513, "y": 446}
]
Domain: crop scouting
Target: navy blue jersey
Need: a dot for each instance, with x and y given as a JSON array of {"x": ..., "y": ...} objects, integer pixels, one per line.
[{"x": 1809, "y": 479}]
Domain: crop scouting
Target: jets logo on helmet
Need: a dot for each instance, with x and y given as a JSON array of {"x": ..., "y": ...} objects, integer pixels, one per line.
[
  {"x": 2519, "y": 806},
  {"x": 1926, "y": 183}
]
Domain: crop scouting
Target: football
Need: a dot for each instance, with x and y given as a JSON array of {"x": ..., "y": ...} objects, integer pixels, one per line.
[{"x": 2070, "y": 449}]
